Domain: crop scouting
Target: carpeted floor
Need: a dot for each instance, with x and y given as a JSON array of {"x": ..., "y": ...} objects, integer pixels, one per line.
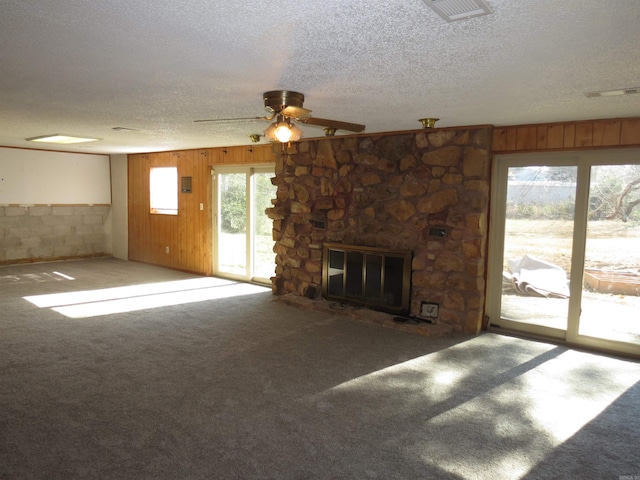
[{"x": 119, "y": 370}]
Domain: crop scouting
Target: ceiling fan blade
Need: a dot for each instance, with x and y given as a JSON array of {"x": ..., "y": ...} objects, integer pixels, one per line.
[
  {"x": 294, "y": 112},
  {"x": 240, "y": 119},
  {"x": 323, "y": 122}
]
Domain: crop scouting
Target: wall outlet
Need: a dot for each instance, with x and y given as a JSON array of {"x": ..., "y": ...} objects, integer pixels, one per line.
[
  {"x": 166, "y": 249},
  {"x": 429, "y": 310}
]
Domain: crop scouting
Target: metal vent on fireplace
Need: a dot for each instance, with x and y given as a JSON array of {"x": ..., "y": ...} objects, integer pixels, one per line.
[{"x": 454, "y": 10}]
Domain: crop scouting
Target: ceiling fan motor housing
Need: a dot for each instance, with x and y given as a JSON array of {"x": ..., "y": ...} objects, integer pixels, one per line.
[{"x": 278, "y": 100}]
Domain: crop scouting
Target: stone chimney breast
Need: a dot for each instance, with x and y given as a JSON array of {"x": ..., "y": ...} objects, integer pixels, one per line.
[{"x": 388, "y": 191}]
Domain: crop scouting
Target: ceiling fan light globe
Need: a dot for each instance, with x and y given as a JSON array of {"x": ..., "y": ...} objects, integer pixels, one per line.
[
  {"x": 268, "y": 133},
  {"x": 283, "y": 133},
  {"x": 296, "y": 133}
]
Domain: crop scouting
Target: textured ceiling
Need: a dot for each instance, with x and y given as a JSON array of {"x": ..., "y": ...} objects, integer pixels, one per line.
[{"x": 81, "y": 67}]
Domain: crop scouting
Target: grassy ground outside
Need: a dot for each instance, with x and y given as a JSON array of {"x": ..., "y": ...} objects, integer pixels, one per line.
[{"x": 611, "y": 246}]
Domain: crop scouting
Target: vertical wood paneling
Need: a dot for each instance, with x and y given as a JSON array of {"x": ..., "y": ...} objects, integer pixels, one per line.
[
  {"x": 499, "y": 139},
  {"x": 137, "y": 201},
  {"x": 526, "y": 138},
  {"x": 257, "y": 153},
  {"x": 188, "y": 234},
  {"x": 630, "y": 132},
  {"x": 213, "y": 156},
  {"x": 230, "y": 156},
  {"x": 204, "y": 234},
  {"x": 542, "y": 133},
  {"x": 606, "y": 133},
  {"x": 555, "y": 136},
  {"x": 611, "y": 135},
  {"x": 188, "y": 218},
  {"x": 161, "y": 235},
  {"x": 511, "y": 139},
  {"x": 569, "y": 135},
  {"x": 194, "y": 227},
  {"x": 584, "y": 135}
]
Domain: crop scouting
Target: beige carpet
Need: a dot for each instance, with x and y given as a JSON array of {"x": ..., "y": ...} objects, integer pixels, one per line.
[{"x": 118, "y": 370}]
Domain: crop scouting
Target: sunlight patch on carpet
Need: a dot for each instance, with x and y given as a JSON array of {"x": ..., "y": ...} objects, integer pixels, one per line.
[
  {"x": 461, "y": 400},
  {"x": 108, "y": 301}
]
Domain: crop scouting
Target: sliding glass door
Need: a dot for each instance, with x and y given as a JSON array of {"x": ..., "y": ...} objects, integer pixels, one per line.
[
  {"x": 538, "y": 236},
  {"x": 232, "y": 227},
  {"x": 243, "y": 242},
  {"x": 565, "y": 247},
  {"x": 611, "y": 287}
]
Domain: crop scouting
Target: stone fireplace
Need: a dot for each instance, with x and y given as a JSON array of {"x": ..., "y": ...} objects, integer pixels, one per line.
[{"x": 425, "y": 192}]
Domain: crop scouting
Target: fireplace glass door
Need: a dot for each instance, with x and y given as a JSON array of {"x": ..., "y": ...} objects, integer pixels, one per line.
[{"x": 367, "y": 276}]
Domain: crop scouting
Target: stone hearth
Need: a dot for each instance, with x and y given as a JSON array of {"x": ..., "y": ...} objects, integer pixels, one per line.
[{"x": 425, "y": 191}]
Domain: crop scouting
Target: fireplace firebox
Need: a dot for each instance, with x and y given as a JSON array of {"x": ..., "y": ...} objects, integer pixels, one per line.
[{"x": 375, "y": 277}]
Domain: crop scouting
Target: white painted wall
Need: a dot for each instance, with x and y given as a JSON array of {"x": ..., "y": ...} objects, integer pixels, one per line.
[
  {"x": 38, "y": 177},
  {"x": 119, "y": 207}
]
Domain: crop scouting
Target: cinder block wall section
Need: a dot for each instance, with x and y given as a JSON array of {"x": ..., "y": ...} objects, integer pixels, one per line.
[
  {"x": 54, "y": 205},
  {"x": 31, "y": 233}
]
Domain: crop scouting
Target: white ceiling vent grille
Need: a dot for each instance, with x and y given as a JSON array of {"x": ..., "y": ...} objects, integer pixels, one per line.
[
  {"x": 454, "y": 10},
  {"x": 613, "y": 93}
]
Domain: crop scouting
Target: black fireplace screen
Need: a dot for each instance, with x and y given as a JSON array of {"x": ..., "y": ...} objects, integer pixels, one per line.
[{"x": 370, "y": 276}]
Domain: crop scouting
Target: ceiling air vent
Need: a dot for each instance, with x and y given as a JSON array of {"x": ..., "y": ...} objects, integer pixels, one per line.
[
  {"x": 613, "y": 93},
  {"x": 454, "y": 10}
]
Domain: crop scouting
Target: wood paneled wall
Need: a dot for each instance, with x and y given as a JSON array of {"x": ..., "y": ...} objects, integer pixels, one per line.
[
  {"x": 583, "y": 135},
  {"x": 188, "y": 234}
]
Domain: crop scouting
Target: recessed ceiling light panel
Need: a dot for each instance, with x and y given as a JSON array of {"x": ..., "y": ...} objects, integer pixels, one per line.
[
  {"x": 613, "y": 93},
  {"x": 454, "y": 10},
  {"x": 61, "y": 139}
]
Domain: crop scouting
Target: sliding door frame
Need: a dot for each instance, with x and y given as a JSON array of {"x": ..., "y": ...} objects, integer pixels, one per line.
[
  {"x": 584, "y": 160},
  {"x": 249, "y": 171}
]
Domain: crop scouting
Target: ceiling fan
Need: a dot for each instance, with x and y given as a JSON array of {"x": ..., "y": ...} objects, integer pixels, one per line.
[{"x": 286, "y": 107}]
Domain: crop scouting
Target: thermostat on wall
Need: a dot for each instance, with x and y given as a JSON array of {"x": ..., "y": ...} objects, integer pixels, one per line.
[{"x": 186, "y": 184}]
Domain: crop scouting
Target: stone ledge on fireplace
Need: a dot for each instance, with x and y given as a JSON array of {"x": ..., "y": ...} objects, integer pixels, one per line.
[{"x": 366, "y": 315}]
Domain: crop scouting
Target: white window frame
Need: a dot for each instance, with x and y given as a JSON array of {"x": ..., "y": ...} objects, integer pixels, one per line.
[{"x": 163, "y": 190}]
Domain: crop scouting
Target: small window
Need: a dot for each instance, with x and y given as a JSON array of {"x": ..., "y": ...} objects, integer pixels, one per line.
[{"x": 163, "y": 190}]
